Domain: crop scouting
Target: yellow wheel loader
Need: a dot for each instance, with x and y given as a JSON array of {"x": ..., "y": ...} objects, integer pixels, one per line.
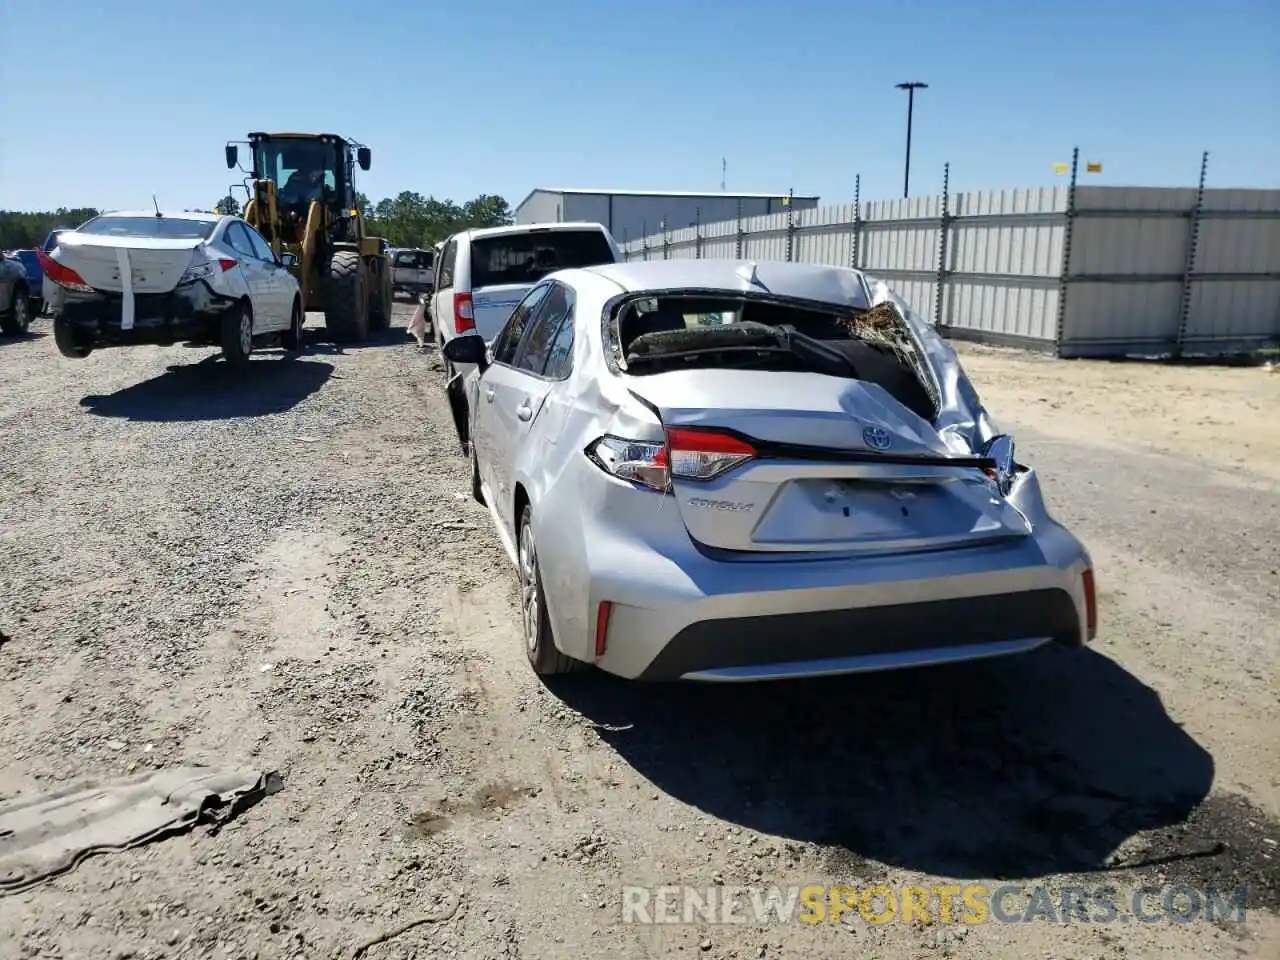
[{"x": 302, "y": 199}]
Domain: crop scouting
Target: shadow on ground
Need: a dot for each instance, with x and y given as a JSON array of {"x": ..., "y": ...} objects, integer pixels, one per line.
[
  {"x": 21, "y": 337},
  {"x": 1020, "y": 767},
  {"x": 319, "y": 340},
  {"x": 212, "y": 390}
]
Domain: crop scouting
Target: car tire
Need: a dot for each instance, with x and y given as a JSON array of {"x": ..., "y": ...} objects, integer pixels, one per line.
[
  {"x": 68, "y": 341},
  {"x": 346, "y": 306},
  {"x": 292, "y": 339},
  {"x": 15, "y": 322},
  {"x": 236, "y": 334},
  {"x": 477, "y": 492},
  {"x": 539, "y": 642}
]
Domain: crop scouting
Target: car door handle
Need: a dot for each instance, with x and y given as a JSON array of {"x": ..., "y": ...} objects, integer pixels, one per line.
[
  {"x": 488, "y": 394},
  {"x": 524, "y": 411}
]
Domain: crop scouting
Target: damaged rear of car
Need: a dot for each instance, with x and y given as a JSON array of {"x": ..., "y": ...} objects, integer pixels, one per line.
[{"x": 793, "y": 477}]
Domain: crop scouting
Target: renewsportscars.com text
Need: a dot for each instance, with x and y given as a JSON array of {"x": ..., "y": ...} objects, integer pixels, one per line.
[{"x": 968, "y": 903}]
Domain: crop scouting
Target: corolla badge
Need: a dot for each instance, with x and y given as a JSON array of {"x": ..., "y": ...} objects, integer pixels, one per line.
[{"x": 877, "y": 438}]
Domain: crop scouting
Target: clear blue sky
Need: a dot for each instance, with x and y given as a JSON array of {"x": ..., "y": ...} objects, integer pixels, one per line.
[{"x": 107, "y": 103}]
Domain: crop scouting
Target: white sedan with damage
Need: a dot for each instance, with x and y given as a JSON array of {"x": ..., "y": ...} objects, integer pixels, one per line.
[
  {"x": 129, "y": 278},
  {"x": 728, "y": 471}
]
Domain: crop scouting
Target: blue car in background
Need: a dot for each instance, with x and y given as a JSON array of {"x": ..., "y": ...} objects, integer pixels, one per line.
[{"x": 30, "y": 261}]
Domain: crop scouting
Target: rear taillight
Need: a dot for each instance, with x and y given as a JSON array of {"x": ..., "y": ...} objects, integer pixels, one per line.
[
  {"x": 1090, "y": 605},
  {"x": 688, "y": 454},
  {"x": 202, "y": 269},
  {"x": 63, "y": 276},
  {"x": 463, "y": 313},
  {"x": 704, "y": 454}
]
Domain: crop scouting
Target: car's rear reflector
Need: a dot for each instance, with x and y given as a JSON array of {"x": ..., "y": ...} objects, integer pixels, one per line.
[
  {"x": 602, "y": 626},
  {"x": 226, "y": 263},
  {"x": 1090, "y": 604},
  {"x": 63, "y": 276}
]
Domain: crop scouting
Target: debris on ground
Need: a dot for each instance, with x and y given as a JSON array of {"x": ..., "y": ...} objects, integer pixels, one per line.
[{"x": 47, "y": 835}]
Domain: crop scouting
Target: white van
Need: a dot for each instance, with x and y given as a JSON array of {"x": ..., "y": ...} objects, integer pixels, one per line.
[
  {"x": 482, "y": 274},
  {"x": 413, "y": 270}
]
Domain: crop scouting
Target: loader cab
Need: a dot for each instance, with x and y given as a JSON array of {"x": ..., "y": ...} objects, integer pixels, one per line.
[{"x": 309, "y": 167}]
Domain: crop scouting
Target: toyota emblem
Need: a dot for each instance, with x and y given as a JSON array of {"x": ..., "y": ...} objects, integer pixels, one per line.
[{"x": 877, "y": 438}]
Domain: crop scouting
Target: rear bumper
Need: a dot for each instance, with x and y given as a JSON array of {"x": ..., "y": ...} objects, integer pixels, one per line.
[
  {"x": 188, "y": 313},
  {"x": 677, "y": 613}
]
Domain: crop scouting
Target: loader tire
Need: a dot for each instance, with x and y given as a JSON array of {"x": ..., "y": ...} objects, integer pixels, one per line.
[
  {"x": 380, "y": 299},
  {"x": 346, "y": 304}
]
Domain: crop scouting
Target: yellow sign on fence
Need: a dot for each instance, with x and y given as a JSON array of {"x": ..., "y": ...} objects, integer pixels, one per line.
[{"x": 1093, "y": 167}]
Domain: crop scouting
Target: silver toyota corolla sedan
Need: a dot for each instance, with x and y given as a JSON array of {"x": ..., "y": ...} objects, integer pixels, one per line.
[{"x": 727, "y": 471}]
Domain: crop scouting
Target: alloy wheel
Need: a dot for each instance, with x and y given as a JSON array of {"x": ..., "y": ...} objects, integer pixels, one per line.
[{"x": 529, "y": 586}]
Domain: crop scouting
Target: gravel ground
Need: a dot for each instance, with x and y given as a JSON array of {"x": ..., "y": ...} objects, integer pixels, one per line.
[{"x": 283, "y": 569}]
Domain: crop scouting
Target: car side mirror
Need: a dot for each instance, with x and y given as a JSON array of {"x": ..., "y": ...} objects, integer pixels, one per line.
[
  {"x": 1000, "y": 449},
  {"x": 287, "y": 259},
  {"x": 233, "y": 155},
  {"x": 364, "y": 157},
  {"x": 468, "y": 348}
]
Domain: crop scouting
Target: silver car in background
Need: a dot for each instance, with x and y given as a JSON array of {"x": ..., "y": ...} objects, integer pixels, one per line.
[{"x": 727, "y": 471}]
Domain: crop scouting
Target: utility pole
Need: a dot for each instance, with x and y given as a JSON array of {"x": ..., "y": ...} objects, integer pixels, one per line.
[{"x": 911, "y": 88}]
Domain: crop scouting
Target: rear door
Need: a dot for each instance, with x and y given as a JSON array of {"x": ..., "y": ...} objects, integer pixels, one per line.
[
  {"x": 276, "y": 277},
  {"x": 520, "y": 388},
  {"x": 255, "y": 273},
  {"x": 503, "y": 354}
]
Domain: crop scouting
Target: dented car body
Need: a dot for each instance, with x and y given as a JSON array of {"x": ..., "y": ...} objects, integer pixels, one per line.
[{"x": 731, "y": 471}]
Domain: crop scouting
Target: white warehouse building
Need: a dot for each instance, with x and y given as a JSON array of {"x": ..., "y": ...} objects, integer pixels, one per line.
[{"x": 631, "y": 214}]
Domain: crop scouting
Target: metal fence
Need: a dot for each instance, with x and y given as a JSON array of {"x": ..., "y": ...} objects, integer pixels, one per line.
[{"x": 1079, "y": 271}]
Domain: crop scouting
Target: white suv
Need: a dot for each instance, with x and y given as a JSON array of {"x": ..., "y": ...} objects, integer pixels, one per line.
[{"x": 482, "y": 274}]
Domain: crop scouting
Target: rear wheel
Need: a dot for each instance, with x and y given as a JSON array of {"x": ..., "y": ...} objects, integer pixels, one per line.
[
  {"x": 18, "y": 319},
  {"x": 236, "y": 334},
  {"x": 539, "y": 643},
  {"x": 68, "y": 340},
  {"x": 292, "y": 339},
  {"x": 346, "y": 307}
]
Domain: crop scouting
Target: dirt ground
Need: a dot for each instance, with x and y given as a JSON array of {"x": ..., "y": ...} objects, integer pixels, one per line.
[{"x": 283, "y": 570}]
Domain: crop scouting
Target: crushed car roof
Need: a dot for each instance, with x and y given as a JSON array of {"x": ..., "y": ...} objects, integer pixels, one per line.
[{"x": 805, "y": 281}]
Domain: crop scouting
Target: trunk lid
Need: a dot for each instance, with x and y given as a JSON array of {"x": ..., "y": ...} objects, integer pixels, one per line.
[
  {"x": 154, "y": 265},
  {"x": 492, "y": 306},
  {"x": 841, "y": 467}
]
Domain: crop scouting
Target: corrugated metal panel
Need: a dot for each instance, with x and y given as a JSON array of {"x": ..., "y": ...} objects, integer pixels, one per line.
[
  {"x": 1111, "y": 319},
  {"x": 1230, "y": 316},
  {"x": 1025, "y": 309},
  {"x": 1144, "y": 245}
]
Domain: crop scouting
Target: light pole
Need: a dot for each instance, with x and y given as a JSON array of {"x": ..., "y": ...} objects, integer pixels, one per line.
[{"x": 911, "y": 88}]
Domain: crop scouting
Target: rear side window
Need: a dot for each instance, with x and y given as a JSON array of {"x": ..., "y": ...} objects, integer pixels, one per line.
[
  {"x": 238, "y": 240},
  {"x": 447, "y": 258},
  {"x": 560, "y": 358},
  {"x": 504, "y": 350},
  {"x": 539, "y": 339},
  {"x": 160, "y": 228},
  {"x": 528, "y": 257}
]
